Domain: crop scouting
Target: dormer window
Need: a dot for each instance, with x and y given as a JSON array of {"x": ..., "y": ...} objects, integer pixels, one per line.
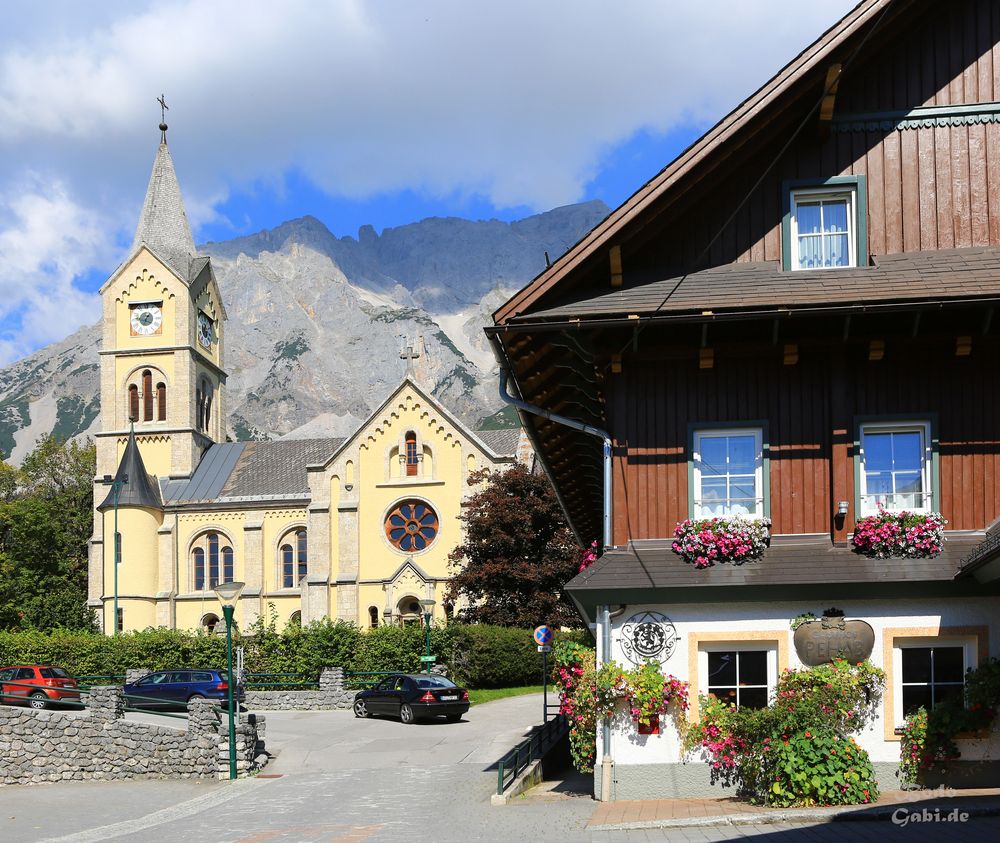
[{"x": 824, "y": 225}]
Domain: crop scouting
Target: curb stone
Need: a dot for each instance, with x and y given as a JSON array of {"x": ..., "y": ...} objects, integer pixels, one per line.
[{"x": 824, "y": 815}]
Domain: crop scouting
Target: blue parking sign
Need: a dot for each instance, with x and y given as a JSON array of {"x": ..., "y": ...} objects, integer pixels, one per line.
[{"x": 543, "y": 635}]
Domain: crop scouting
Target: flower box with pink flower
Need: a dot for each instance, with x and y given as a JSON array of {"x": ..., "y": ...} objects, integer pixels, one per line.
[
  {"x": 713, "y": 540},
  {"x": 907, "y": 534}
]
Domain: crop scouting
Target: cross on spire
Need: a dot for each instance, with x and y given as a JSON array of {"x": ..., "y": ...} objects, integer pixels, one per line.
[
  {"x": 409, "y": 355},
  {"x": 164, "y": 108}
]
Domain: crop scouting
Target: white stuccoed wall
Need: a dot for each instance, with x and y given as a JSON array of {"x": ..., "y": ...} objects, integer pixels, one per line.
[{"x": 628, "y": 747}]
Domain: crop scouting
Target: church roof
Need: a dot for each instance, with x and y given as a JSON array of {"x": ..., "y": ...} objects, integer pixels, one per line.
[
  {"x": 163, "y": 225},
  {"x": 239, "y": 471},
  {"x": 267, "y": 469},
  {"x": 140, "y": 489},
  {"x": 500, "y": 442}
]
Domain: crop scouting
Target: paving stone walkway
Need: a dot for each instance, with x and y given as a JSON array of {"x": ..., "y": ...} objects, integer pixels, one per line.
[{"x": 679, "y": 813}]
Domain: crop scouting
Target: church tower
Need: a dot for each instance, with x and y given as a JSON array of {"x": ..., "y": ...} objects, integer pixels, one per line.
[{"x": 162, "y": 373}]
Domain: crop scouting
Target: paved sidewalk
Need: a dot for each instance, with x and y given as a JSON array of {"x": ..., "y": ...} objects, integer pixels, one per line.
[{"x": 681, "y": 813}]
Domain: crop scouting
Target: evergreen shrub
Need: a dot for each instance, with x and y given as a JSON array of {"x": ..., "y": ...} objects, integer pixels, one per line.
[{"x": 478, "y": 656}]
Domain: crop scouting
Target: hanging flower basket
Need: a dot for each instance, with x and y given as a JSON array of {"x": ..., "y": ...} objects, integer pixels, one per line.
[
  {"x": 905, "y": 534},
  {"x": 713, "y": 540}
]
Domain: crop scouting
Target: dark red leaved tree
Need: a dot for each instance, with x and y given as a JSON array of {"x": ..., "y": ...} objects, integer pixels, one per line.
[{"x": 517, "y": 553}]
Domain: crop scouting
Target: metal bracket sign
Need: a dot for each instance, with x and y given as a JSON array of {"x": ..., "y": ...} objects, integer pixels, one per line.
[
  {"x": 544, "y": 648},
  {"x": 648, "y": 636}
]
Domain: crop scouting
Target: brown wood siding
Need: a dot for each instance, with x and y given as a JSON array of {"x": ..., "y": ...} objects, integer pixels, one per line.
[
  {"x": 811, "y": 410},
  {"x": 927, "y": 188}
]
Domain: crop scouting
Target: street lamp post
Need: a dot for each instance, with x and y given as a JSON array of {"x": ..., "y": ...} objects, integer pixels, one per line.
[
  {"x": 229, "y": 593},
  {"x": 428, "y": 605},
  {"x": 116, "y": 491}
]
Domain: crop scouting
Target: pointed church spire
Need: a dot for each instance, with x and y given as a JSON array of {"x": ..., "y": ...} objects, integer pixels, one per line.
[
  {"x": 139, "y": 489},
  {"x": 163, "y": 225}
]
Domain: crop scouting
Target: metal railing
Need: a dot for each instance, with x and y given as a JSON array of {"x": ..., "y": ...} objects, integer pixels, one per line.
[
  {"x": 276, "y": 681},
  {"x": 531, "y": 748},
  {"x": 109, "y": 679},
  {"x": 73, "y": 696},
  {"x": 351, "y": 682},
  {"x": 131, "y": 699}
]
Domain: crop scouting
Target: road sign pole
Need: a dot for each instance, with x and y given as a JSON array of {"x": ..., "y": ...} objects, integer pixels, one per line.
[{"x": 545, "y": 687}]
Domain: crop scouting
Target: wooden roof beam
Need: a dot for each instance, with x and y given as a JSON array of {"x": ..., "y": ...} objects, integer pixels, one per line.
[{"x": 829, "y": 96}]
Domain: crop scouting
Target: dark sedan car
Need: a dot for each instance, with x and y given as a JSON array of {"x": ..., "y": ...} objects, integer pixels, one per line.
[
  {"x": 413, "y": 697},
  {"x": 169, "y": 688}
]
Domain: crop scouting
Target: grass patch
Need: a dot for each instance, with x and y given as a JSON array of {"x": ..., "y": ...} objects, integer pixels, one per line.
[{"x": 483, "y": 695}]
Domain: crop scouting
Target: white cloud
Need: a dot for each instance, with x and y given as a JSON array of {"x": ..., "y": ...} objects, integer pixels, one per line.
[
  {"x": 515, "y": 100},
  {"x": 46, "y": 240}
]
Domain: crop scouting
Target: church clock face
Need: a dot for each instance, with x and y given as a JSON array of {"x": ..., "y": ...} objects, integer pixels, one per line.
[
  {"x": 146, "y": 319},
  {"x": 204, "y": 330}
]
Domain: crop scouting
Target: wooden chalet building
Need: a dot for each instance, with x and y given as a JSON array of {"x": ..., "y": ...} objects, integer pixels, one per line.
[{"x": 795, "y": 319}]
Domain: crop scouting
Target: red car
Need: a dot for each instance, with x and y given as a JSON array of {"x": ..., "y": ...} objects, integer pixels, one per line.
[{"x": 38, "y": 685}]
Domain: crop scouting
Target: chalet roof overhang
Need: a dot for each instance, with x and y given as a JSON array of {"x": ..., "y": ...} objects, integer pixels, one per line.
[
  {"x": 910, "y": 280},
  {"x": 793, "y": 94},
  {"x": 807, "y": 568}
]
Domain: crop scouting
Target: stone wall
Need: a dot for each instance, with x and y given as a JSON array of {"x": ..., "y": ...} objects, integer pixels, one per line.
[
  {"x": 98, "y": 743},
  {"x": 332, "y": 693}
]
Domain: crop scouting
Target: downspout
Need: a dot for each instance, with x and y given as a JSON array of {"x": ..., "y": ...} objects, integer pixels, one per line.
[
  {"x": 605, "y": 614},
  {"x": 607, "y": 762},
  {"x": 603, "y": 435}
]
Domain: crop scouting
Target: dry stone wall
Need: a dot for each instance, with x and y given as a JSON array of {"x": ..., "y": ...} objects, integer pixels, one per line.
[
  {"x": 332, "y": 693},
  {"x": 98, "y": 743}
]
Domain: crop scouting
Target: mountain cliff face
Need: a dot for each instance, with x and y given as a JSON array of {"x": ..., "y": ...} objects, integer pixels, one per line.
[{"x": 316, "y": 325}]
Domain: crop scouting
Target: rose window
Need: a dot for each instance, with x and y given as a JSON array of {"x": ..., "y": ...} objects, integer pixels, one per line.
[{"x": 411, "y": 526}]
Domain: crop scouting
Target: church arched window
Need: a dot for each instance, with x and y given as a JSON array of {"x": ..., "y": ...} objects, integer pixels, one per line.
[
  {"x": 212, "y": 561},
  {"x": 161, "y": 401},
  {"x": 198, "y": 558},
  {"x": 411, "y": 454},
  {"x": 133, "y": 403},
  {"x": 294, "y": 558},
  {"x": 147, "y": 395},
  {"x": 373, "y": 616},
  {"x": 203, "y": 405}
]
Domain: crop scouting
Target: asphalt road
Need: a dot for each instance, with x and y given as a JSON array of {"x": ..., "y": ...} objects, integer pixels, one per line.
[{"x": 346, "y": 780}]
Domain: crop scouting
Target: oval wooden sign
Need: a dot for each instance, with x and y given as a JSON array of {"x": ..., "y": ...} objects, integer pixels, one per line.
[{"x": 821, "y": 641}]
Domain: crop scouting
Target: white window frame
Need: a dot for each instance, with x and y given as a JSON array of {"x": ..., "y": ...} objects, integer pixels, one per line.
[
  {"x": 921, "y": 427},
  {"x": 812, "y": 194},
  {"x": 970, "y": 645},
  {"x": 714, "y": 433},
  {"x": 769, "y": 647}
]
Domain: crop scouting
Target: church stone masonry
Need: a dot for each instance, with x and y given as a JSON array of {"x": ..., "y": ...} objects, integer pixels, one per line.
[{"x": 356, "y": 528}]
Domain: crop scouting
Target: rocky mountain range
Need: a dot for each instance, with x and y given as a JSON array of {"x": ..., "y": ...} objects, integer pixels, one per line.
[{"x": 316, "y": 325}]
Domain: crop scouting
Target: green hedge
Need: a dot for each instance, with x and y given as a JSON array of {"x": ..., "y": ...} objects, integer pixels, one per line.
[{"x": 478, "y": 656}]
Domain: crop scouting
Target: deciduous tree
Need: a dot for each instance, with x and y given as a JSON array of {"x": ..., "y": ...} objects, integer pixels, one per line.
[
  {"x": 46, "y": 517},
  {"x": 517, "y": 554}
]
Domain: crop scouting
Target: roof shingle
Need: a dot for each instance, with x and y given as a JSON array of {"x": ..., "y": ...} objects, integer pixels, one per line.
[
  {"x": 791, "y": 560},
  {"x": 904, "y": 277}
]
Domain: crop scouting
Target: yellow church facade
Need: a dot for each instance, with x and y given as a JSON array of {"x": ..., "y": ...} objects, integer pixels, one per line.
[{"x": 357, "y": 528}]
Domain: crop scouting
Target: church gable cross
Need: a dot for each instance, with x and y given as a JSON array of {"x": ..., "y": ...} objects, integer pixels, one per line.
[{"x": 409, "y": 354}]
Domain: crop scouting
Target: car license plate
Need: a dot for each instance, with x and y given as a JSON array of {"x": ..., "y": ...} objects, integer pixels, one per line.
[{"x": 452, "y": 698}]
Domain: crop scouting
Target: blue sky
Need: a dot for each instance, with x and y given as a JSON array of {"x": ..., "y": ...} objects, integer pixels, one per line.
[{"x": 356, "y": 112}]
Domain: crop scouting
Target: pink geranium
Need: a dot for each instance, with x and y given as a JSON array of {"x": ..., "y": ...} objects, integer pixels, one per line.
[{"x": 706, "y": 542}]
